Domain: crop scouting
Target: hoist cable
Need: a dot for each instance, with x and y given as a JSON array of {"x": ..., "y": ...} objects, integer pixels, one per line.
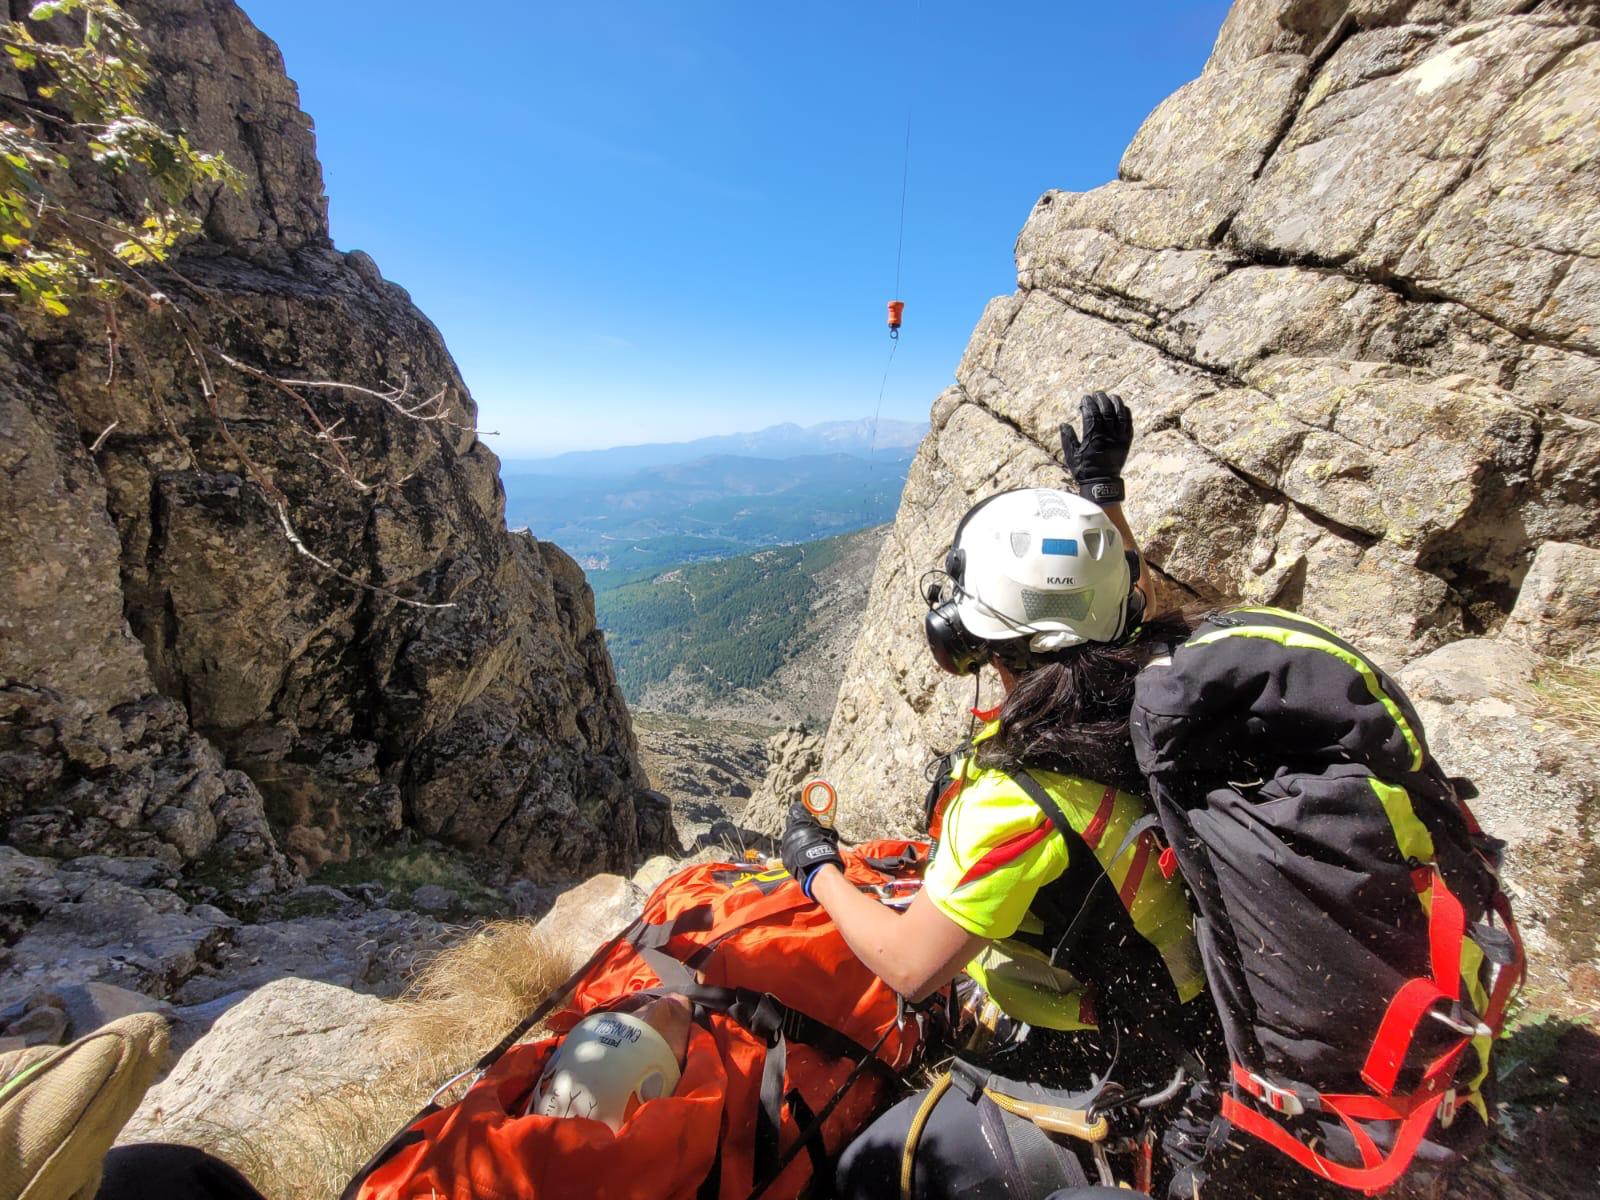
[
  {"x": 899, "y": 260},
  {"x": 905, "y": 176}
]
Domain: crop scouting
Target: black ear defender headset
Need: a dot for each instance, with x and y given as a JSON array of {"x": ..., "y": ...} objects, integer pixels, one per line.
[{"x": 960, "y": 652}]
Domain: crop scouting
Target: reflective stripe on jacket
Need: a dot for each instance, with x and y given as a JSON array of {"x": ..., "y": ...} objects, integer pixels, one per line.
[{"x": 998, "y": 852}]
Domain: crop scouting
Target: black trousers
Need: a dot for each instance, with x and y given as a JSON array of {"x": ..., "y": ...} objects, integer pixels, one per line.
[
  {"x": 968, "y": 1151},
  {"x": 157, "y": 1171}
]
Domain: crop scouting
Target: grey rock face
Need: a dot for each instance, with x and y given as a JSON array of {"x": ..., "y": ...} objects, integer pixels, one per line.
[
  {"x": 1540, "y": 785},
  {"x": 1346, "y": 280},
  {"x": 794, "y": 756},
  {"x": 179, "y": 682}
]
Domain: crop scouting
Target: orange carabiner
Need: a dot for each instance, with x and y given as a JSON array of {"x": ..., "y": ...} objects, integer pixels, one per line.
[{"x": 821, "y": 812}]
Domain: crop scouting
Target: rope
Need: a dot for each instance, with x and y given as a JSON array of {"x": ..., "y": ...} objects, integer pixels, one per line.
[
  {"x": 905, "y": 172},
  {"x": 872, "y": 444},
  {"x": 908, "y": 1160},
  {"x": 905, "y": 175},
  {"x": 899, "y": 259}
]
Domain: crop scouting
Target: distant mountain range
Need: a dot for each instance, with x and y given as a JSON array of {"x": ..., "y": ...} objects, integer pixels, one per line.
[
  {"x": 712, "y": 507},
  {"x": 854, "y": 438}
]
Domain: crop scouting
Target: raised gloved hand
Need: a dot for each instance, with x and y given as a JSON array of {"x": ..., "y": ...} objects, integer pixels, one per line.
[
  {"x": 808, "y": 846},
  {"x": 1096, "y": 459}
]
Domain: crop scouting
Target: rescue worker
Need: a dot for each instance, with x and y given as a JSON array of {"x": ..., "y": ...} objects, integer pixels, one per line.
[{"x": 1074, "y": 931}]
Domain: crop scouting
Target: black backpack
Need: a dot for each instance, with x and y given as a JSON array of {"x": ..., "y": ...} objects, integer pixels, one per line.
[{"x": 1356, "y": 942}]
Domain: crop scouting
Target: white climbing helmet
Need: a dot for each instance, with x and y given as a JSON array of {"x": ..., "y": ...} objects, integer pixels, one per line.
[
  {"x": 605, "y": 1068},
  {"x": 1040, "y": 563}
]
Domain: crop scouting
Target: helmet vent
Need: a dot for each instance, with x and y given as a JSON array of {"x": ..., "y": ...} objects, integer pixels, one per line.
[{"x": 1056, "y": 606}]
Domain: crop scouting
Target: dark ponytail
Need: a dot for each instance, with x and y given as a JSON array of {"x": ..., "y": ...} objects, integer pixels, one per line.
[{"x": 1069, "y": 713}]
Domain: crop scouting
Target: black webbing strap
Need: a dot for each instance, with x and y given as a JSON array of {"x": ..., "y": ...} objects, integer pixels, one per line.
[
  {"x": 813, "y": 1129},
  {"x": 711, "y": 1186},
  {"x": 893, "y": 864},
  {"x": 769, "y": 1110},
  {"x": 691, "y": 920},
  {"x": 761, "y": 1013},
  {"x": 816, "y": 1149},
  {"x": 672, "y": 973},
  {"x": 1084, "y": 874},
  {"x": 1163, "y": 1010},
  {"x": 771, "y": 1020}
]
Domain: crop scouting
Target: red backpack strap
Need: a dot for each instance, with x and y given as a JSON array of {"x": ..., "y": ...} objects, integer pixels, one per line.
[
  {"x": 1376, "y": 1171},
  {"x": 1406, "y": 1011},
  {"x": 1447, "y": 930}
]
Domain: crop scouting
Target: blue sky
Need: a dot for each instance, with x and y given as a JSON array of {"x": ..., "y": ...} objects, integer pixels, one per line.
[{"x": 638, "y": 222}]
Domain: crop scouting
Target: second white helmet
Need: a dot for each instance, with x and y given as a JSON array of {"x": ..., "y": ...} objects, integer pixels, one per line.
[{"x": 606, "y": 1067}]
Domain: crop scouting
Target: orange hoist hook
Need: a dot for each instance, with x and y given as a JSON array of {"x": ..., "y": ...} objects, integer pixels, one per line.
[{"x": 896, "y": 309}]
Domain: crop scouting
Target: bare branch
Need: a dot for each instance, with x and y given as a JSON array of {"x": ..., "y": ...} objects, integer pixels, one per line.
[
  {"x": 434, "y": 409},
  {"x": 344, "y": 466},
  {"x": 142, "y": 367},
  {"x": 112, "y": 337},
  {"x": 101, "y": 440},
  {"x": 294, "y": 540}
]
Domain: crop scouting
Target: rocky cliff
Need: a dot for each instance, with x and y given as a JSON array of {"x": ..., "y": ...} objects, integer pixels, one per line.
[
  {"x": 1349, "y": 280},
  {"x": 179, "y": 680}
]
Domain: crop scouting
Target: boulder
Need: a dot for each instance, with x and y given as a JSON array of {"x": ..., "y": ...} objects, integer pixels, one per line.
[
  {"x": 649, "y": 877},
  {"x": 1539, "y": 786},
  {"x": 1558, "y": 608},
  {"x": 286, "y": 1043},
  {"x": 588, "y": 914},
  {"x": 431, "y": 898}
]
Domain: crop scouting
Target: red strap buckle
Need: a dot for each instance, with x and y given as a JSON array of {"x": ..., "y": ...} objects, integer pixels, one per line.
[
  {"x": 1168, "y": 862},
  {"x": 1278, "y": 1099}
]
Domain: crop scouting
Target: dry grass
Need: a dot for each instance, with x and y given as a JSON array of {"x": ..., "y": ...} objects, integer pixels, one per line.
[
  {"x": 459, "y": 1005},
  {"x": 471, "y": 993},
  {"x": 1569, "y": 695}
]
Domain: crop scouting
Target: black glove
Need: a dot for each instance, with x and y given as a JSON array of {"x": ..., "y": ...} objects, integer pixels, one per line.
[
  {"x": 807, "y": 846},
  {"x": 1096, "y": 460}
]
